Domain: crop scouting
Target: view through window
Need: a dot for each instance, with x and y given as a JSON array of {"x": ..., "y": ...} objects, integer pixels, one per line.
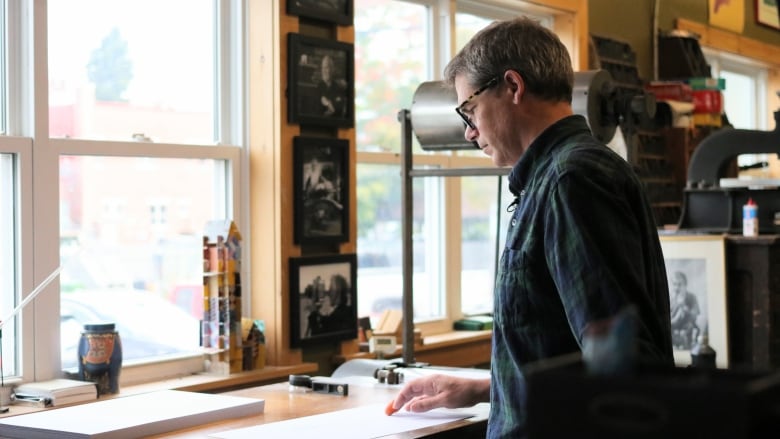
[
  {"x": 139, "y": 175},
  {"x": 8, "y": 264}
]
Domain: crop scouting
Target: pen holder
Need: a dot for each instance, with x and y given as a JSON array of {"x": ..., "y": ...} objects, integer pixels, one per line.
[{"x": 100, "y": 357}]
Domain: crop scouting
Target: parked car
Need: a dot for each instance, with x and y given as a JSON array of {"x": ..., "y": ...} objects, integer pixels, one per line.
[{"x": 148, "y": 325}]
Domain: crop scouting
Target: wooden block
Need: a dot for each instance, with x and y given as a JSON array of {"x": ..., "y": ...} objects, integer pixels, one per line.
[{"x": 390, "y": 322}]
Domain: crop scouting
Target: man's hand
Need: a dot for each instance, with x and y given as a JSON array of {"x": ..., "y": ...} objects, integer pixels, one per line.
[{"x": 436, "y": 391}]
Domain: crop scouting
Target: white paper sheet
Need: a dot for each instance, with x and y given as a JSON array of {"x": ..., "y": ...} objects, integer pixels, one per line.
[
  {"x": 358, "y": 423},
  {"x": 130, "y": 416}
]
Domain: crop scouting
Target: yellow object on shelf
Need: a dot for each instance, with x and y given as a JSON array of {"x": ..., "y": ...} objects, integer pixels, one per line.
[{"x": 707, "y": 119}]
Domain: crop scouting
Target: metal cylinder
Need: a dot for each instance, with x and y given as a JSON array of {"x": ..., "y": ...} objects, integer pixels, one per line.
[
  {"x": 591, "y": 98},
  {"x": 434, "y": 121},
  {"x": 437, "y": 127}
]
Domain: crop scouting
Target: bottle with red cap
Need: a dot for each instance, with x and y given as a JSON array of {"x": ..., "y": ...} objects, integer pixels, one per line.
[{"x": 750, "y": 218}]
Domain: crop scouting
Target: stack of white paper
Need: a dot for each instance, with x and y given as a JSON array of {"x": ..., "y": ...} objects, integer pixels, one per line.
[
  {"x": 130, "y": 417},
  {"x": 56, "y": 392},
  {"x": 357, "y": 423}
]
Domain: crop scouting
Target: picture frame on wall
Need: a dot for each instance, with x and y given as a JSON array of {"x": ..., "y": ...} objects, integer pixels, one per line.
[
  {"x": 320, "y": 190},
  {"x": 321, "y": 81},
  {"x": 768, "y": 13},
  {"x": 333, "y": 11},
  {"x": 323, "y": 299},
  {"x": 695, "y": 269}
]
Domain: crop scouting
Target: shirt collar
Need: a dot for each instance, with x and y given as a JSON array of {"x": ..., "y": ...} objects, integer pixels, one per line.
[{"x": 551, "y": 138}]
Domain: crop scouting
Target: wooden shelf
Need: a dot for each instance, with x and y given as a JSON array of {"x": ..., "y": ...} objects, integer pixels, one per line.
[{"x": 455, "y": 349}]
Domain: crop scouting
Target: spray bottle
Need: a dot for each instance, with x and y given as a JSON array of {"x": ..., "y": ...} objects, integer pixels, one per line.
[{"x": 750, "y": 218}]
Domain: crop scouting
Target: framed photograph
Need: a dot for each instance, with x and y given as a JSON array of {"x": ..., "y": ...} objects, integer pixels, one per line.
[
  {"x": 321, "y": 81},
  {"x": 323, "y": 299},
  {"x": 696, "y": 270},
  {"x": 768, "y": 13},
  {"x": 320, "y": 190},
  {"x": 334, "y": 11}
]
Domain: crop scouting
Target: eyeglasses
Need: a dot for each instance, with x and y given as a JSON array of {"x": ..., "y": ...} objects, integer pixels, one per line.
[{"x": 459, "y": 108}]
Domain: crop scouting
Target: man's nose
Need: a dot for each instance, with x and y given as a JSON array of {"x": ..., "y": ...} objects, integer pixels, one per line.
[{"x": 471, "y": 134}]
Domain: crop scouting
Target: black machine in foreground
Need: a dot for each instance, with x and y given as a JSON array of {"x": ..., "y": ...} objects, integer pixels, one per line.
[{"x": 564, "y": 400}]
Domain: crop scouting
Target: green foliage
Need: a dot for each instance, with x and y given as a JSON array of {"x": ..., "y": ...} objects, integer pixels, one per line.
[
  {"x": 375, "y": 195},
  {"x": 110, "y": 68}
]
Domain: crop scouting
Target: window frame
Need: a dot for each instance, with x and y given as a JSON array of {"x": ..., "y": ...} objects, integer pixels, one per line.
[
  {"x": 720, "y": 60},
  {"x": 27, "y": 111},
  {"x": 20, "y": 149}
]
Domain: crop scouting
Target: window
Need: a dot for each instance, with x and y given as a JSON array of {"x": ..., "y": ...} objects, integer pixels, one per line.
[
  {"x": 141, "y": 147},
  {"x": 455, "y": 219},
  {"x": 15, "y": 236},
  {"x": 743, "y": 98},
  {"x": 3, "y": 69},
  {"x": 390, "y": 36},
  {"x": 146, "y": 96},
  {"x": 8, "y": 254}
]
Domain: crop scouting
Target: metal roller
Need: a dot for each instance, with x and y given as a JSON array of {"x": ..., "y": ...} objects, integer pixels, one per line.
[
  {"x": 434, "y": 121},
  {"x": 592, "y": 97},
  {"x": 437, "y": 127}
]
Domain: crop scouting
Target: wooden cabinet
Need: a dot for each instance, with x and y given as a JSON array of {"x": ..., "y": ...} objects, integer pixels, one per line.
[{"x": 753, "y": 299}]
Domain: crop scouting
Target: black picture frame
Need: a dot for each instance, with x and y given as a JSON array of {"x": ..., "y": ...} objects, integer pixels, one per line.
[
  {"x": 333, "y": 11},
  {"x": 320, "y": 190},
  {"x": 312, "y": 98},
  {"x": 323, "y": 299}
]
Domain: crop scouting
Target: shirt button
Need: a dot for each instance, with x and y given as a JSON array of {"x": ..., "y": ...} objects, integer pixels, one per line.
[{"x": 514, "y": 222}]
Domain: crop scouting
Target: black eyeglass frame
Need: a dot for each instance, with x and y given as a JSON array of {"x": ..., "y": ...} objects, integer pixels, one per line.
[{"x": 459, "y": 108}]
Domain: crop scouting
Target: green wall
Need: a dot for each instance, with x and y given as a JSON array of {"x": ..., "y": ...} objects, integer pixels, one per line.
[{"x": 631, "y": 21}]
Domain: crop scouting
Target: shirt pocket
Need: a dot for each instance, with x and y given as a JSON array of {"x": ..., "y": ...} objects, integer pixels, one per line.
[{"x": 511, "y": 300}]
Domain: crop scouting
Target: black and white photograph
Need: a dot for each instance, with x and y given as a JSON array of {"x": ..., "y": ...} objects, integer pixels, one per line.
[
  {"x": 687, "y": 298},
  {"x": 321, "y": 81},
  {"x": 321, "y": 185},
  {"x": 695, "y": 267},
  {"x": 334, "y": 11},
  {"x": 323, "y": 299}
]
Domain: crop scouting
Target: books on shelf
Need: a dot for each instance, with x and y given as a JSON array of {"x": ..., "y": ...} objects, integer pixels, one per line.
[{"x": 55, "y": 392}]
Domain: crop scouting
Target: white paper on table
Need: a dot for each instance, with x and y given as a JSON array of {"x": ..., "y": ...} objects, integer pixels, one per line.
[
  {"x": 131, "y": 416},
  {"x": 357, "y": 423}
]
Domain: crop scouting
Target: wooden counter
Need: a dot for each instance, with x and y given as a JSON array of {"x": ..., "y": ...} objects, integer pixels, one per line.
[{"x": 282, "y": 405}]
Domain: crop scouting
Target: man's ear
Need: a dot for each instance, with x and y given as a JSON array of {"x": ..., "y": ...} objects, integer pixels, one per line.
[{"x": 515, "y": 84}]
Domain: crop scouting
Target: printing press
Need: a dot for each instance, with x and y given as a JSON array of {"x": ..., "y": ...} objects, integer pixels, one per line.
[{"x": 713, "y": 204}]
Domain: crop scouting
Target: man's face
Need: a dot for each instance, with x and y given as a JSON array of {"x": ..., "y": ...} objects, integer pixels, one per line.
[
  {"x": 489, "y": 123},
  {"x": 678, "y": 284}
]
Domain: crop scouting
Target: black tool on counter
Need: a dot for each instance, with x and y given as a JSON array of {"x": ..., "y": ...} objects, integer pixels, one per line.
[{"x": 317, "y": 385}]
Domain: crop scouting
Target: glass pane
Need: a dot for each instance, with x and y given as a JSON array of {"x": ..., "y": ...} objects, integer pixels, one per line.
[
  {"x": 131, "y": 249},
  {"x": 739, "y": 104},
  {"x": 3, "y": 69},
  {"x": 391, "y": 60},
  {"x": 479, "y": 233},
  {"x": 466, "y": 25},
  {"x": 129, "y": 69},
  {"x": 379, "y": 244},
  {"x": 8, "y": 264},
  {"x": 739, "y": 99}
]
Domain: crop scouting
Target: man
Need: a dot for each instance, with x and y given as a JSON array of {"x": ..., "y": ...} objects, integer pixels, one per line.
[
  {"x": 684, "y": 313},
  {"x": 332, "y": 91},
  {"x": 582, "y": 244}
]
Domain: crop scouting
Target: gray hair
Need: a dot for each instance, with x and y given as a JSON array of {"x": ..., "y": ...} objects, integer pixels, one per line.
[{"x": 521, "y": 44}]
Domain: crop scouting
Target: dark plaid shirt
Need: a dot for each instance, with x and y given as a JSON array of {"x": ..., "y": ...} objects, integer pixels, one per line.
[{"x": 582, "y": 245}]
